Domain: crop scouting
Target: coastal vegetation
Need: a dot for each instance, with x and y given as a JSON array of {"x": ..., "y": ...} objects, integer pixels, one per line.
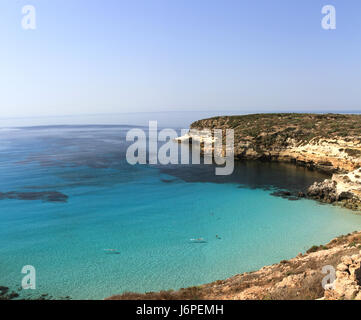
[{"x": 302, "y": 126}]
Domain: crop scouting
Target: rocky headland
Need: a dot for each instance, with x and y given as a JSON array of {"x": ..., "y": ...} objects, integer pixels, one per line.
[{"x": 326, "y": 142}]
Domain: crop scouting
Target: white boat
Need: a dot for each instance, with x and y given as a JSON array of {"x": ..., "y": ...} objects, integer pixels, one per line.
[{"x": 198, "y": 240}]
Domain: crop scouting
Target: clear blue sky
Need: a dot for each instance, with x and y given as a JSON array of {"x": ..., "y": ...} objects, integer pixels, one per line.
[{"x": 108, "y": 56}]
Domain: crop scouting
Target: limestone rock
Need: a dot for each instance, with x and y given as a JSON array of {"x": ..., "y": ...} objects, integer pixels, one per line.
[
  {"x": 346, "y": 260},
  {"x": 342, "y": 267},
  {"x": 347, "y": 285}
]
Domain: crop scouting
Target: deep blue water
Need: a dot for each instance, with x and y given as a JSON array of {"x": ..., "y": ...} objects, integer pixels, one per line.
[{"x": 147, "y": 213}]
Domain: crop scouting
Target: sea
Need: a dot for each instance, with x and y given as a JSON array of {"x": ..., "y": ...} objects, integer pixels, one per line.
[{"x": 92, "y": 225}]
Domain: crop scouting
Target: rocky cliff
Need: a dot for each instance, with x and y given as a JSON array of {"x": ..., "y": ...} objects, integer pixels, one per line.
[
  {"x": 341, "y": 189},
  {"x": 327, "y": 142},
  {"x": 330, "y": 142}
]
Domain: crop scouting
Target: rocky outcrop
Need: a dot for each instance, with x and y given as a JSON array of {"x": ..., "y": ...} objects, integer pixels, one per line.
[
  {"x": 347, "y": 285},
  {"x": 6, "y": 294},
  {"x": 341, "y": 189},
  {"x": 325, "y": 191}
]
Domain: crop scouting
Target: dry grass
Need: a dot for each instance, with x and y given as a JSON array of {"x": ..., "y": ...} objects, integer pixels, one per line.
[{"x": 304, "y": 126}]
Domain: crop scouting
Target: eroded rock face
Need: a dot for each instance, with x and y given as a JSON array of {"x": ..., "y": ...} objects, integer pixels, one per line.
[
  {"x": 343, "y": 189},
  {"x": 325, "y": 142},
  {"x": 347, "y": 285},
  {"x": 326, "y": 190}
]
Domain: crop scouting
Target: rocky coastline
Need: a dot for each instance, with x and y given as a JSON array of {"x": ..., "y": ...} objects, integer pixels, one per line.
[
  {"x": 341, "y": 189},
  {"x": 325, "y": 142}
]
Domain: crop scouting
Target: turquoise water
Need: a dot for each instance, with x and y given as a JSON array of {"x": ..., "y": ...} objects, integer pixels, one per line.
[{"x": 148, "y": 213}]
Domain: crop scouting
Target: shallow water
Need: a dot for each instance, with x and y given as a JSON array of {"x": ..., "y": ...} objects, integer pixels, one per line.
[{"x": 147, "y": 213}]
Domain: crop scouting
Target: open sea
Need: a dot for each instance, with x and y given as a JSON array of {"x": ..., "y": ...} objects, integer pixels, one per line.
[{"x": 67, "y": 195}]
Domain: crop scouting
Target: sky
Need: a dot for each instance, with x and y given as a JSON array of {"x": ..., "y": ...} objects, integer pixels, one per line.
[{"x": 115, "y": 56}]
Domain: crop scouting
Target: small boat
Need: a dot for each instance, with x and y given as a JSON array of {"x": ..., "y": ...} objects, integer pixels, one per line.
[
  {"x": 198, "y": 240},
  {"x": 112, "y": 251}
]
